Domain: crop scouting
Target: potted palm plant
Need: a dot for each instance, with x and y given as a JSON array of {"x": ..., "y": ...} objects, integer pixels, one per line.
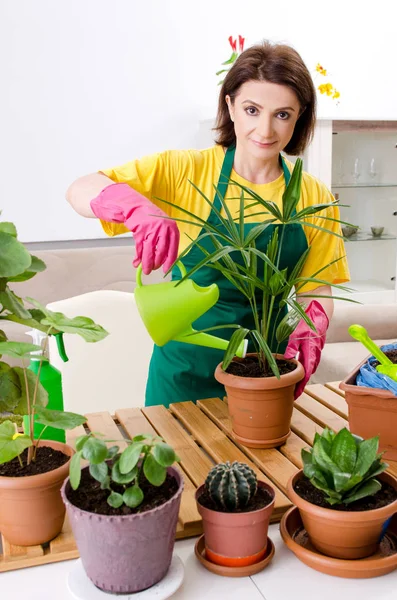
[
  {"x": 32, "y": 469},
  {"x": 261, "y": 403},
  {"x": 343, "y": 494},
  {"x": 123, "y": 509},
  {"x": 236, "y": 510}
]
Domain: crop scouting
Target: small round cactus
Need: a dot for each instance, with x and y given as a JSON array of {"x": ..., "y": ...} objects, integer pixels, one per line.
[{"x": 231, "y": 486}]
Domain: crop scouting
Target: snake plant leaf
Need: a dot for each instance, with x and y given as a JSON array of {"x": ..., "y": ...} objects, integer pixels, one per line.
[
  {"x": 344, "y": 451},
  {"x": 367, "y": 454},
  {"x": 369, "y": 488},
  {"x": 14, "y": 258}
]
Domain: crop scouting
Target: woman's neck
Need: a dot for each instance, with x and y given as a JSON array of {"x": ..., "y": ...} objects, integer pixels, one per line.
[{"x": 256, "y": 170}]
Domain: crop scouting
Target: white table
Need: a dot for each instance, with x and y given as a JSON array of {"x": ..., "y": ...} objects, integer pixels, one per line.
[{"x": 286, "y": 577}]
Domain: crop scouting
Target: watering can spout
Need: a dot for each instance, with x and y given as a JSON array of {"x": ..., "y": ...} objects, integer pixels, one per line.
[{"x": 190, "y": 336}]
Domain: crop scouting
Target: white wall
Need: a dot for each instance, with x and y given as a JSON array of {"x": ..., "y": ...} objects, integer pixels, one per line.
[{"x": 88, "y": 84}]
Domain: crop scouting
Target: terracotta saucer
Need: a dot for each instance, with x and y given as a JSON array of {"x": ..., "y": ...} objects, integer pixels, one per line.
[
  {"x": 199, "y": 549},
  {"x": 249, "y": 443},
  {"x": 382, "y": 562}
]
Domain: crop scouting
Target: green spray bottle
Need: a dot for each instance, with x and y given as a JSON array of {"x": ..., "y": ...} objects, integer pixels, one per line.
[{"x": 51, "y": 380}]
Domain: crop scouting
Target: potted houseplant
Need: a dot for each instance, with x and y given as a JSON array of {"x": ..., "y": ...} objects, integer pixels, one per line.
[
  {"x": 261, "y": 403},
  {"x": 31, "y": 470},
  {"x": 343, "y": 494},
  {"x": 236, "y": 510},
  {"x": 123, "y": 509},
  {"x": 372, "y": 410}
]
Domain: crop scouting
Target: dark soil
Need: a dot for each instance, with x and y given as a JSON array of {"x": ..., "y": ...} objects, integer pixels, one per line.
[
  {"x": 250, "y": 367},
  {"x": 47, "y": 459},
  {"x": 91, "y": 498},
  {"x": 392, "y": 354},
  {"x": 307, "y": 491},
  {"x": 261, "y": 499}
]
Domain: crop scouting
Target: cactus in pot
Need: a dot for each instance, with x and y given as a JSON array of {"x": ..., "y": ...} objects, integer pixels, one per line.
[
  {"x": 231, "y": 486},
  {"x": 236, "y": 509}
]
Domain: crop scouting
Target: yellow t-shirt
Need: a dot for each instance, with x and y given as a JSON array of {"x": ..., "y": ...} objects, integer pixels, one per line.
[{"x": 166, "y": 176}]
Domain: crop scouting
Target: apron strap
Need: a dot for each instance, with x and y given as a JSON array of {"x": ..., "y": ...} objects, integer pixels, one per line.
[{"x": 224, "y": 178}]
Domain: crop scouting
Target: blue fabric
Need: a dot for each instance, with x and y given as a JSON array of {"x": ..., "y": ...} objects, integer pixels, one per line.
[{"x": 368, "y": 376}]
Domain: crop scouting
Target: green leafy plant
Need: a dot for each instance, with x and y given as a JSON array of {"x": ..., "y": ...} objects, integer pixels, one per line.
[
  {"x": 343, "y": 466},
  {"x": 121, "y": 472},
  {"x": 20, "y": 390},
  {"x": 268, "y": 293},
  {"x": 231, "y": 486}
]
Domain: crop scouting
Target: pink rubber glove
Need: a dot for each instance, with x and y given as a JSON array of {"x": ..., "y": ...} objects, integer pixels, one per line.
[
  {"x": 156, "y": 237},
  {"x": 308, "y": 343}
]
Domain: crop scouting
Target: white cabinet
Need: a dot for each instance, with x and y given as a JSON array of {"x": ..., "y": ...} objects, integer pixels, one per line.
[{"x": 358, "y": 161}]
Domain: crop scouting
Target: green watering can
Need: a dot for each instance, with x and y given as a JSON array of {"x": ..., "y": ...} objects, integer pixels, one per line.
[
  {"x": 386, "y": 366},
  {"x": 168, "y": 311}
]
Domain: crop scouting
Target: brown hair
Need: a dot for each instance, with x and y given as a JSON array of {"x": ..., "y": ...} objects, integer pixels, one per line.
[{"x": 276, "y": 63}]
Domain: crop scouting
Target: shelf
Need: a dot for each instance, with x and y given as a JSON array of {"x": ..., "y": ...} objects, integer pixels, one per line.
[
  {"x": 368, "y": 237},
  {"x": 367, "y": 286},
  {"x": 364, "y": 185}
]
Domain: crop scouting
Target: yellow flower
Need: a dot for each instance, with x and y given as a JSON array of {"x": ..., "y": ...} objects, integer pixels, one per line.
[
  {"x": 321, "y": 69},
  {"x": 16, "y": 435},
  {"x": 336, "y": 94}
]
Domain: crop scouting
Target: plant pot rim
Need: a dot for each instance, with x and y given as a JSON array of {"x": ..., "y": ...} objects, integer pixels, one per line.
[
  {"x": 27, "y": 480},
  {"x": 260, "y": 383},
  {"x": 340, "y": 515},
  {"x": 146, "y": 514},
  {"x": 348, "y": 384},
  {"x": 237, "y": 515}
]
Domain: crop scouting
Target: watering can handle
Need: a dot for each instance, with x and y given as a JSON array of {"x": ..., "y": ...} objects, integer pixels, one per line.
[{"x": 179, "y": 264}]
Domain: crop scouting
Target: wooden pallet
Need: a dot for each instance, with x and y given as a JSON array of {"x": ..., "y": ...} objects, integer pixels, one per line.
[{"x": 201, "y": 436}]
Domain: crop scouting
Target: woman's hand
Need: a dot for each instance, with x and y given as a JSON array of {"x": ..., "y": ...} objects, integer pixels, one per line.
[
  {"x": 156, "y": 236},
  {"x": 308, "y": 343}
]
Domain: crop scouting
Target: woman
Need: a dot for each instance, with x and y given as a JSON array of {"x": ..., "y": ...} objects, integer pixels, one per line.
[{"x": 266, "y": 105}]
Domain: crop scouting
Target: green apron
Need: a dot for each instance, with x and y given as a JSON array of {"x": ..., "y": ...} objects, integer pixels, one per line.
[{"x": 179, "y": 371}]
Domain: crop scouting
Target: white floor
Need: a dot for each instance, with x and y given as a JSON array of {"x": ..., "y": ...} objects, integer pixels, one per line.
[{"x": 284, "y": 578}]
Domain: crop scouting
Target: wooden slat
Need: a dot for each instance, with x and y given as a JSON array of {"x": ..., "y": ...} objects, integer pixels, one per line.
[
  {"x": 329, "y": 398},
  {"x": 320, "y": 413},
  {"x": 392, "y": 467},
  {"x": 304, "y": 427},
  {"x": 12, "y": 553},
  {"x": 64, "y": 542},
  {"x": 45, "y": 558},
  {"x": 193, "y": 460},
  {"x": 102, "y": 422},
  {"x": 218, "y": 445},
  {"x": 334, "y": 386},
  {"x": 134, "y": 422},
  {"x": 73, "y": 434},
  {"x": 278, "y": 468}
]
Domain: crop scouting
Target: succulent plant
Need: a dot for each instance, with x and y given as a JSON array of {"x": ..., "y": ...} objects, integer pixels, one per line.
[
  {"x": 231, "y": 486},
  {"x": 343, "y": 466}
]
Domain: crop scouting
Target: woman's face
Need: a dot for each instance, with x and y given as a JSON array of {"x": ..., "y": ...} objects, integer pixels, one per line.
[{"x": 264, "y": 116}]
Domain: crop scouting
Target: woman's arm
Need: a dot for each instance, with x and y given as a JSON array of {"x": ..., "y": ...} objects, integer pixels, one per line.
[
  {"x": 85, "y": 189},
  {"x": 326, "y": 303}
]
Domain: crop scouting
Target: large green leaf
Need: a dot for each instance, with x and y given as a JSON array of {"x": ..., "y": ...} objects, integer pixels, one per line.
[
  {"x": 129, "y": 457},
  {"x": 9, "y": 228},
  {"x": 123, "y": 478},
  {"x": 344, "y": 451},
  {"x": 11, "y": 302},
  {"x": 37, "y": 266},
  {"x": 133, "y": 496},
  {"x": 58, "y": 418},
  {"x": 75, "y": 470},
  {"x": 94, "y": 450},
  {"x": 99, "y": 472},
  {"x": 164, "y": 454},
  {"x": 14, "y": 258},
  {"x": 18, "y": 349},
  {"x": 10, "y": 388},
  {"x": 83, "y": 326},
  {"x": 11, "y": 444},
  {"x": 41, "y": 394}
]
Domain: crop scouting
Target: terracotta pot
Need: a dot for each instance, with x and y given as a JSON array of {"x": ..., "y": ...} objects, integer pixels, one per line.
[
  {"x": 236, "y": 539},
  {"x": 343, "y": 534},
  {"x": 372, "y": 412},
  {"x": 31, "y": 508},
  {"x": 129, "y": 553},
  {"x": 260, "y": 408}
]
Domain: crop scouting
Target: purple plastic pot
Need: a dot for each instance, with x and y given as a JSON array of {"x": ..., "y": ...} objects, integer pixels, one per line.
[{"x": 129, "y": 553}]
